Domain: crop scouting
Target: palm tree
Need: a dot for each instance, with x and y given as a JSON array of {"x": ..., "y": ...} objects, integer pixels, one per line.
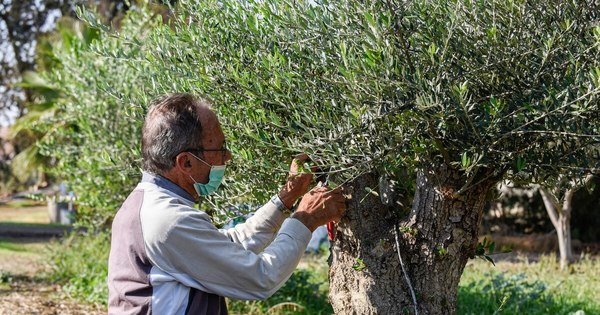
[{"x": 41, "y": 113}]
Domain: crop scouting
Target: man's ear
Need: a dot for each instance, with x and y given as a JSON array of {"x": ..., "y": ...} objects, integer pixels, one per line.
[{"x": 183, "y": 163}]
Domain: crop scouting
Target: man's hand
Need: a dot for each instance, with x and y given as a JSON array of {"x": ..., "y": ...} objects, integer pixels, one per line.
[
  {"x": 297, "y": 183},
  {"x": 320, "y": 206}
]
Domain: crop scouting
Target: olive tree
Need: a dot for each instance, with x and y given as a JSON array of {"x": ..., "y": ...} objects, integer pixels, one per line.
[{"x": 417, "y": 108}]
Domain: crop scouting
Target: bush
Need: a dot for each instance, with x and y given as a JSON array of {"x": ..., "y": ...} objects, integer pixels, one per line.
[{"x": 80, "y": 264}]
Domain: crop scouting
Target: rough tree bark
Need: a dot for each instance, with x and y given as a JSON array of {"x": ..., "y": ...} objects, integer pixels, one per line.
[{"x": 436, "y": 240}]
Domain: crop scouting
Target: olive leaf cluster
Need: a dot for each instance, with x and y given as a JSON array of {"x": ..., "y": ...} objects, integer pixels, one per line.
[{"x": 361, "y": 86}]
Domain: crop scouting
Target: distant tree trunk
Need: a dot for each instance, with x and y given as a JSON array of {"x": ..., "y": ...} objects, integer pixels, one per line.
[
  {"x": 560, "y": 216},
  {"x": 436, "y": 240}
]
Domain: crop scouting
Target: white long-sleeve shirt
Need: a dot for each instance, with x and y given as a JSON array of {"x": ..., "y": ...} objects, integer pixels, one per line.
[{"x": 168, "y": 258}]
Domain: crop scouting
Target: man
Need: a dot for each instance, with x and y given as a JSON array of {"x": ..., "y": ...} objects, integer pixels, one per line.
[{"x": 168, "y": 258}]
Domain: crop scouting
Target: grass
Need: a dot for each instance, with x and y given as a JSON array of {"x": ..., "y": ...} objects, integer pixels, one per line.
[
  {"x": 27, "y": 211},
  {"x": 80, "y": 264},
  {"x": 23, "y": 203},
  {"x": 19, "y": 257},
  {"x": 6, "y": 247},
  {"x": 518, "y": 287},
  {"x": 26, "y": 225},
  {"x": 526, "y": 287}
]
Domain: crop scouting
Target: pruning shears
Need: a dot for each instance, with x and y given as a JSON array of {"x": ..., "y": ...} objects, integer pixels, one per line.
[
  {"x": 331, "y": 230},
  {"x": 323, "y": 181}
]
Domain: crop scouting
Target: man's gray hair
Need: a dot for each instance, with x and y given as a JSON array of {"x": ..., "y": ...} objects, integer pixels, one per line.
[{"x": 171, "y": 127}]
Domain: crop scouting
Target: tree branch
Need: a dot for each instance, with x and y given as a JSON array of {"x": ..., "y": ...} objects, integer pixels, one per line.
[
  {"x": 551, "y": 205},
  {"x": 568, "y": 202}
]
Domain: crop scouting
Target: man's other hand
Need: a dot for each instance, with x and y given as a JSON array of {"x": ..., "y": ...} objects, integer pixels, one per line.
[
  {"x": 320, "y": 206},
  {"x": 298, "y": 181}
]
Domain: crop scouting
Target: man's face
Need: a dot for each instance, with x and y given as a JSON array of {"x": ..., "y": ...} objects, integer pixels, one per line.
[{"x": 213, "y": 139}]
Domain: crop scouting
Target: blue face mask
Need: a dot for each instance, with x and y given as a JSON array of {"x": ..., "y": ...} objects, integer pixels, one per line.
[{"x": 215, "y": 177}]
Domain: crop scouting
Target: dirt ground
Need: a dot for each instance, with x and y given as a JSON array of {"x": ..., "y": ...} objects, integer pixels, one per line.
[
  {"x": 22, "y": 290},
  {"x": 28, "y": 296}
]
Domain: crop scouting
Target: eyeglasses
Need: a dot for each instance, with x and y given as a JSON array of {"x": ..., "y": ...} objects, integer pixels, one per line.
[{"x": 223, "y": 150}]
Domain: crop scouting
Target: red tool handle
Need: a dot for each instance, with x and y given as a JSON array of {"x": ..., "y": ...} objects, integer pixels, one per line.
[{"x": 331, "y": 231}]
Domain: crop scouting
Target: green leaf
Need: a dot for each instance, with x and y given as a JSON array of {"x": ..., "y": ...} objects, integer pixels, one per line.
[
  {"x": 480, "y": 250},
  {"x": 465, "y": 160},
  {"x": 491, "y": 248},
  {"x": 488, "y": 258},
  {"x": 359, "y": 265},
  {"x": 371, "y": 191},
  {"x": 520, "y": 164}
]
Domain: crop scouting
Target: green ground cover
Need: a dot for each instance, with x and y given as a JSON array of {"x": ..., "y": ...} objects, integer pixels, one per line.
[
  {"x": 511, "y": 287},
  {"x": 8, "y": 247},
  {"x": 527, "y": 287},
  {"x": 80, "y": 264},
  {"x": 520, "y": 286}
]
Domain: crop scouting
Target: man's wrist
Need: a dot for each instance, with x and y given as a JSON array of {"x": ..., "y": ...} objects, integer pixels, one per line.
[
  {"x": 276, "y": 200},
  {"x": 286, "y": 198},
  {"x": 305, "y": 219}
]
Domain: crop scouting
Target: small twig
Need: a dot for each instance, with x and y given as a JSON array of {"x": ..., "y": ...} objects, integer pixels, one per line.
[
  {"x": 412, "y": 291},
  {"x": 466, "y": 185},
  {"x": 466, "y": 188}
]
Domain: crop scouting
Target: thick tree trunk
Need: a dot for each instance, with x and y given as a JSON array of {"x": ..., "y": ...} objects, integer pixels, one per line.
[{"x": 436, "y": 240}]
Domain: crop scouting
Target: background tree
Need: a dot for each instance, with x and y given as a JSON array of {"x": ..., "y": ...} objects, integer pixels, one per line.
[
  {"x": 417, "y": 108},
  {"x": 27, "y": 31},
  {"x": 21, "y": 25},
  {"x": 559, "y": 205},
  {"x": 42, "y": 114}
]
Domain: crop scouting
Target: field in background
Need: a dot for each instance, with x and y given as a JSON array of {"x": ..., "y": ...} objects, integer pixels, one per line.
[
  {"x": 24, "y": 211},
  {"x": 24, "y": 255}
]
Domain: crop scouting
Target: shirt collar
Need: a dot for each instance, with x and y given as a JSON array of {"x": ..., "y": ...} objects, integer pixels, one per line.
[{"x": 164, "y": 183}]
